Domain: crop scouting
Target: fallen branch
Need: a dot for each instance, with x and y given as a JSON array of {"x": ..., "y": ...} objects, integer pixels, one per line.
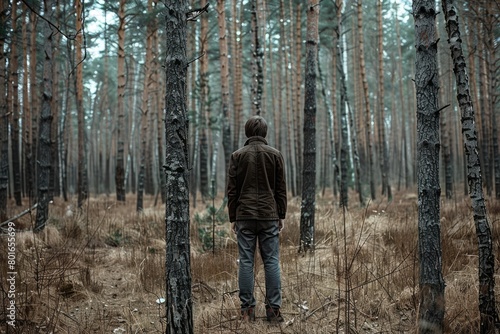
[{"x": 19, "y": 215}]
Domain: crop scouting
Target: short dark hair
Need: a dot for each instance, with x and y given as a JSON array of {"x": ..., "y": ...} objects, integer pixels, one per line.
[{"x": 256, "y": 126}]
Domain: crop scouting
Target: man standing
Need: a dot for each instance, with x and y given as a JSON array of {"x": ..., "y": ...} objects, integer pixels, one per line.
[{"x": 256, "y": 192}]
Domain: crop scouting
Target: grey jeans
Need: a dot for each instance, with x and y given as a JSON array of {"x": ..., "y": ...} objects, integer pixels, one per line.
[{"x": 267, "y": 234}]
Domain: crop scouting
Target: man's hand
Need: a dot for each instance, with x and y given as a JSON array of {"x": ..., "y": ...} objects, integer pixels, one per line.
[
  {"x": 233, "y": 227},
  {"x": 281, "y": 224}
]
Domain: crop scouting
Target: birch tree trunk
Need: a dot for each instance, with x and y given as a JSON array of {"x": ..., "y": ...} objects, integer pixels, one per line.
[
  {"x": 487, "y": 306},
  {"x": 431, "y": 309},
  {"x": 4, "y": 140},
  {"x": 120, "y": 124},
  {"x": 179, "y": 309},
  {"x": 44, "y": 135},
  {"x": 308, "y": 205}
]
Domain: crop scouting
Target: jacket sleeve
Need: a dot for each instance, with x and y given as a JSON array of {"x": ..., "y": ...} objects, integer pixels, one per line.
[
  {"x": 232, "y": 189},
  {"x": 280, "y": 195}
]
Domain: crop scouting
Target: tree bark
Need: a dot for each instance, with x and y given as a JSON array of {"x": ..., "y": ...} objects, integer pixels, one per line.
[
  {"x": 308, "y": 204},
  {"x": 145, "y": 110},
  {"x": 384, "y": 152},
  {"x": 178, "y": 271},
  {"x": 224, "y": 82},
  {"x": 82, "y": 163},
  {"x": 368, "y": 117},
  {"x": 120, "y": 124},
  {"x": 204, "y": 123},
  {"x": 44, "y": 136},
  {"x": 4, "y": 140},
  {"x": 297, "y": 104},
  {"x": 487, "y": 306},
  {"x": 13, "y": 98},
  {"x": 258, "y": 54},
  {"x": 431, "y": 309},
  {"x": 237, "y": 70}
]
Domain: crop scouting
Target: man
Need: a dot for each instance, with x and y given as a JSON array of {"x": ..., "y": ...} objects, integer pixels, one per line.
[{"x": 256, "y": 192}]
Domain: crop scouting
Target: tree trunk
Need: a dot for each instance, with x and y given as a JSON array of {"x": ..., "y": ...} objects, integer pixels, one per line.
[
  {"x": 308, "y": 205},
  {"x": 296, "y": 122},
  {"x": 145, "y": 110},
  {"x": 4, "y": 132},
  {"x": 120, "y": 124},
  {"x": 431, "y": 309},
  {"x": 14, "y": 106},
  {"x": 237, "y": 70},
  {"x": 204, "y": 109},
  {"x": 368, "y": 117},
  {"x": 258, "y": 54},
  {"x": 26, "y": 139},
  {"x": 44, "y": 136},
  {"x": 384, "y": 152},
  {"x": 224, "y": 77},
  {"x": 179, "y": 310},
  {"x": 82, "y": 163},
  {"x": 487, "y": 305},
  {"x": 54, "y": 177},
  {"x": 35, "y": 101}
]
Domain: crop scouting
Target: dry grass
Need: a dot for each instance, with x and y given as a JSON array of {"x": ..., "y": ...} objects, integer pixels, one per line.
[{"x": 102, "y": 270}]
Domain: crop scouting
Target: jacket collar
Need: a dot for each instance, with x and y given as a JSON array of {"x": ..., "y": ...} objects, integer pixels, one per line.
[{"x": 257, "y": 140}]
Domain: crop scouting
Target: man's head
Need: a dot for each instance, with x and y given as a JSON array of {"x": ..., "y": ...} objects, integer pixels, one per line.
[{"x": 256, "y": 126}]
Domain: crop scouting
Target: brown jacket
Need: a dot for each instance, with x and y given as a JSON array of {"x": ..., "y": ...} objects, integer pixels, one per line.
[{"x": 256, "y": 187}]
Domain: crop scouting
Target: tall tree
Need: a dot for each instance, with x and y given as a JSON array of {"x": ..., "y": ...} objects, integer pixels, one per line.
[
  {"x": 178, "y": 271},
  {"x": 384, "y": 152},
  {"x": 204, "y": 120},
  {"x": 26, "y": 148},
  {"x": 82, "y": 163},
  {"x": 120, "y": 124},
  {"x": 31, "y": 154},
  {"x": 431, "y": 309},
  {"x": 308, "y": 205},
  {"x": 44, "y": 135},
  {"x": 145, "y": 108},
  {"x": 366, "y": 99},
  {"x": 257, "y": 57},
  {"x": 13, "y": 100},
  {"x": 224, "y": 82},
  {"x": 4, "y": 140},
  {"x": 236, "y": 61},
  {"x": 487, "y": 306}
]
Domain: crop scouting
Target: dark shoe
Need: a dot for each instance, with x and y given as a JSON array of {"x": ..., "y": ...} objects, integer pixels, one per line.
[
  {"x": 274, "y": 314},
  {"x": 248, "y": 314}
]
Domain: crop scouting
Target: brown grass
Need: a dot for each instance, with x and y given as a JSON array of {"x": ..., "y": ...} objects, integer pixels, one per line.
[{"x": 102, "y": 269}]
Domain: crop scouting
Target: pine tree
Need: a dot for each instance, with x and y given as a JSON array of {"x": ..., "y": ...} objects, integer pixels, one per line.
[
  {"x": 308, "y": 205},
  {"x": 431, "y": 308},
  {"x": 179, "y": 307}
]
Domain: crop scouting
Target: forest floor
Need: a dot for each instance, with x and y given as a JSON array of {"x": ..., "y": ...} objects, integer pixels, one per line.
[{"x": 102, "y": 269}]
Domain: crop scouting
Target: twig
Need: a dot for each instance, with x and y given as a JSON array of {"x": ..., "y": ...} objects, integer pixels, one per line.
[
  {"x": 71, "y": 37},
  {"x": 195, "y": 59},
  {"x": 192, "y": 15},
  {"x": 330, "y": 302}
]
